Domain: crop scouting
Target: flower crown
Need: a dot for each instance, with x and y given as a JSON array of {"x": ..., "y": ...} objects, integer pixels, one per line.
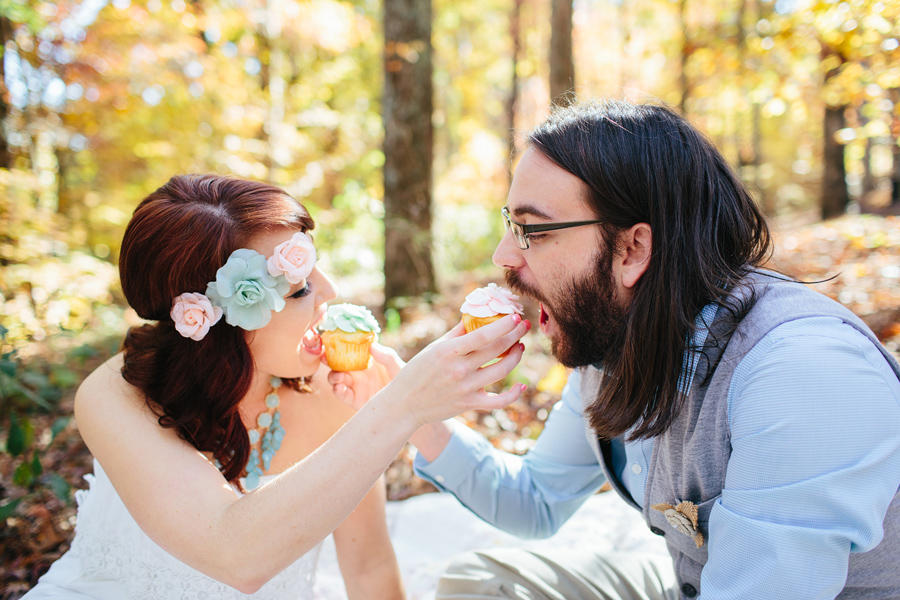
[{"x": 247, "y": 288}]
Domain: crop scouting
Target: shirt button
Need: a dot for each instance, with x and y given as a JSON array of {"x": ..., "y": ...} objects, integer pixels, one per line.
[
  {"x": 636, "y": 469},
  {"x": 439, "y": 479},
  {"x": 657, "y": 531},
  {"x": 688, "y": 590}
]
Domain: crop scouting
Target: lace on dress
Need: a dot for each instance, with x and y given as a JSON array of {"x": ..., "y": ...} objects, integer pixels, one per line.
[{"x": 111, "y": 551}]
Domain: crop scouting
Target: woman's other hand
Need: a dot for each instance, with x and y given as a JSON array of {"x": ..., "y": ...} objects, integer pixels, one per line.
[{"x": 354, "y": 388}]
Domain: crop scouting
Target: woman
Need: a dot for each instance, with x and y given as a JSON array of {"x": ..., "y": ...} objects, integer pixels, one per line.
[{"x": 222, "y": 455}]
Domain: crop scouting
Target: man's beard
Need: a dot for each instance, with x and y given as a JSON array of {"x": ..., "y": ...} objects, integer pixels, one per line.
[{"x": 591, "y": 320}]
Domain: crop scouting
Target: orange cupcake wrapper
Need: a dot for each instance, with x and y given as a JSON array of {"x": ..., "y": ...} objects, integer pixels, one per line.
[
  {"x": 347, "y": 354},
  {"x": 472, "y": 323}
]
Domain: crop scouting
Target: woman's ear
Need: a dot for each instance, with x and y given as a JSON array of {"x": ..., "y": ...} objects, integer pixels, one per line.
[{"x": 635, "y": 246}]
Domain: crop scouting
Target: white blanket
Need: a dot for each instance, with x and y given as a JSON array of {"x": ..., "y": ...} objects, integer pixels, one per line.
[{"x": 429, "y": 530}]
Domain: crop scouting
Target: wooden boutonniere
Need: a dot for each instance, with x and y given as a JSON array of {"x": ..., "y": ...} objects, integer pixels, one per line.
[{"x": 683, "y": 518}]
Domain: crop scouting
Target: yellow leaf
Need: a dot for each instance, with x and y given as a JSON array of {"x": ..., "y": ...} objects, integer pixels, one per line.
[{"x": 554, "y": 381}]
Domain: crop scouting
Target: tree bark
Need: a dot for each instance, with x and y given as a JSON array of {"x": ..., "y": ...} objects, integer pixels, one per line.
[
  {"x": 408, "y": 149},
  {"x": 6, "y": 33},
  {"x": 751, "y": 156},
  {"x": 686, "y": 51},
  {"x": 868, "y": 179},
  {"x": 515, "y": 34},
  {"x": 562, "y": 63},
  {"x": 835, "y": 196},
  {"x": 895, "y": 177},
  {"x": 624, "y": 24},
  {"x": 895, "y": 150}
]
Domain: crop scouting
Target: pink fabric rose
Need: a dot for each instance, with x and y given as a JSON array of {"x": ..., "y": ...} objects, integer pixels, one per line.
[
  {"x": 194, "y": 314},
  {"x": 491, "y": 300},
  {"x": 294, "y": 258}
]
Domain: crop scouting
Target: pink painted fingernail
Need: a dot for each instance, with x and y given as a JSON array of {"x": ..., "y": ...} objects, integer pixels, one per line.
[
  {"x": 517, "y": 318},
  {"x": 522, "y": 387},
  {"x": 527, "y": 325}
]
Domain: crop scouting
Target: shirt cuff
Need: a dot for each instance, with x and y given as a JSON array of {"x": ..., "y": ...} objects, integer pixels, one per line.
[{"x": 458, "y": 460}]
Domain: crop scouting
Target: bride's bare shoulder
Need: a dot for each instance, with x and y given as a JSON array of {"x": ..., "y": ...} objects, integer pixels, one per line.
[{"x": 105, "y": 389}]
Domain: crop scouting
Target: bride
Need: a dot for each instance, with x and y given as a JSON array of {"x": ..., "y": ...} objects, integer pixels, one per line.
[{"x": 222, "y": 454}]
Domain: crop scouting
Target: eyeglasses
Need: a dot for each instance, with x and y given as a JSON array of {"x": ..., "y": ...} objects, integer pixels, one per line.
[{"x": 521, "y": 231}]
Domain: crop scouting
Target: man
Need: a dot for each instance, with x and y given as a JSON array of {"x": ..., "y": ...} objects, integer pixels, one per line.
[{"x": 754, "y": 422}]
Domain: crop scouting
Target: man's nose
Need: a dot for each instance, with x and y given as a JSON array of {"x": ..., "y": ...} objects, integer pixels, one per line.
[{"x": 508, "y": 255}]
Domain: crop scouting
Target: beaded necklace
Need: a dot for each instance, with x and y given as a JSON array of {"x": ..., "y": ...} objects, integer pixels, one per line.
[{"x": 268, "y": 434}]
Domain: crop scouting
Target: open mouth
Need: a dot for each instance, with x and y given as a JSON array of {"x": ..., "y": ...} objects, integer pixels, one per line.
[
  {"x": 312, "y": 341},
  {"x": 544, "y": 320}
]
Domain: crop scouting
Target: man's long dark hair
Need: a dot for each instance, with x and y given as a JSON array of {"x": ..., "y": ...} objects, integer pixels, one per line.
[{"x": 644, "y": 163}]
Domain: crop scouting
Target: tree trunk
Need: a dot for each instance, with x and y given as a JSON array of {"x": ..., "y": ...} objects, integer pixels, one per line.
[
  {"x": 624, "y": 24},
  {"x": 515, "y": 34},
  {"x": 868, "y": 178},
  {"x": 408, "y": 149},
  {"x": 562, "y": 64},
  {"x": 766, "y": 201},
  {"x": 686, "y": 51},
  {"x": 835, "y": 196},
  {"x": 65, "y": 161},
  {"x": 895, "y": 176},
  {"x": 264, "y": 44},
  {"x": 751, "y": 156},
  {"x": 276, "y": 86},
  {"x": 6, "y": 33},
  {"x": 895, "y": 149}
]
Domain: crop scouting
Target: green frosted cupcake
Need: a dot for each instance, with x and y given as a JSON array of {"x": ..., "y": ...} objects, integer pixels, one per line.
[{"x": 348, "y": 332}]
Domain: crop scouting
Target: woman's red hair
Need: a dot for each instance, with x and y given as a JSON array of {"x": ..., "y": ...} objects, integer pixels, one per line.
[{"x": 177, "y": 239}]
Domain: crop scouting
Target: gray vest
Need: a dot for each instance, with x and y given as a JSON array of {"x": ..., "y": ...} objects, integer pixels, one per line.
[{"x": 690, "y": 459}]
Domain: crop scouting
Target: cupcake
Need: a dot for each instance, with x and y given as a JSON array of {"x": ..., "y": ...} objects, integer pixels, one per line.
[
  {"x": 347, "y": 334},
  {"x": 486, "y": 305}
]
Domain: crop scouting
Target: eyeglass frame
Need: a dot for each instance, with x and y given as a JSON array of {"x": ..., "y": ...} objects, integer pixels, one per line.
[{"x": 527, "y": 230}]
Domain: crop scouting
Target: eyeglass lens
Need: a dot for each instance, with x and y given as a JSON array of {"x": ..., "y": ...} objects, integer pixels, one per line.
[{"x": 517, "y": 230}]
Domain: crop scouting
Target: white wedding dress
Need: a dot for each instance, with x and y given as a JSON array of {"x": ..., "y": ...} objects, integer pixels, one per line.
[{"x": 111, "y": 558}]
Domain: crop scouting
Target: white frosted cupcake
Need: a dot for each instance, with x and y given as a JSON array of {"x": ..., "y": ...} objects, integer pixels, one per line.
[
  {"x": 488, "y": 304},
  {"x": 348, "y": 332}
]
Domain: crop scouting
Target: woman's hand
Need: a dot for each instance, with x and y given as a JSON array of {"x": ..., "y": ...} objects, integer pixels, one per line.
[
  {"x": 448, "y": 377},
  {"x": 354, "y": 388}
]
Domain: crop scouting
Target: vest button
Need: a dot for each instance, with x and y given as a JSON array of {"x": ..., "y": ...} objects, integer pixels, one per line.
[
  {"x": 688, "y": 590},
  {"x": 657, "y": 531}
]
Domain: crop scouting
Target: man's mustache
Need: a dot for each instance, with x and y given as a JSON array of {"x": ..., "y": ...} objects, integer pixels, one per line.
[{"x": 515, "y": 283}]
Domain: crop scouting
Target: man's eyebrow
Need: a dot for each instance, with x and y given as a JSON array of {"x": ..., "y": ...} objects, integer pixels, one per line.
[{"x": 528, "y": 209}]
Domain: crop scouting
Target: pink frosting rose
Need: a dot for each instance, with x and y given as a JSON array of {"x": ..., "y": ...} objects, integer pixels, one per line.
[
  {"x": 194, "y": 314},
  {"x": 294, "y": 258},
  {"x": 491, "y": 300}
]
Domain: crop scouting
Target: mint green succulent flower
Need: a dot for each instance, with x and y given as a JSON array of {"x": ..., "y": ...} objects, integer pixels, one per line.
[{"x": 245, "y": 290}]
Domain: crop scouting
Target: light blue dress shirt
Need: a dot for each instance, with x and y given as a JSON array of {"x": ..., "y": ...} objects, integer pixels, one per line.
[{"x": 814, "y": 412}]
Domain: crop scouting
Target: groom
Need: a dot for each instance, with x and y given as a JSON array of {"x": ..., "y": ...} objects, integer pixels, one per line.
[{"x": 753, "y": 422}]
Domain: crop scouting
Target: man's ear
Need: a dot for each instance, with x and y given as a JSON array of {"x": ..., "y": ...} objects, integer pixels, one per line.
[{"x": 635, "y": 246}]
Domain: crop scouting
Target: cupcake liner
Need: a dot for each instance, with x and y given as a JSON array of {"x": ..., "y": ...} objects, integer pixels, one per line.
[
  {"x": 472, "y": 323},
  {"x": 347, "y": 351}
]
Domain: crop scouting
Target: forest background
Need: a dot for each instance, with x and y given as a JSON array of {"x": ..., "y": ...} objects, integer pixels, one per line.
[{"x": 397, "y": 123}]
